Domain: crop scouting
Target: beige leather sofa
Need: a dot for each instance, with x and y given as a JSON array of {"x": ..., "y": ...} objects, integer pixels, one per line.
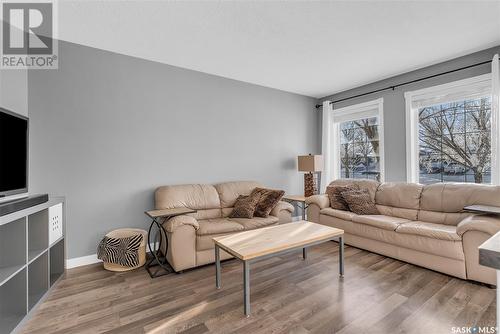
[
  {"x": 423, "y": 225},
  {"x": 190, "y": 236}
]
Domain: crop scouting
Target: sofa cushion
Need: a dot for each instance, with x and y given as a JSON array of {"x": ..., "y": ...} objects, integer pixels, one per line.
[
  {"x": 359, "y": 202},
  {"x": 194, "y": 196},
  {"x": 430, "y": 230},
  {"x": 334, "y": 193},
  {"x": 201, "y": 197},
  {"x": 256, "y": 222},
  {"x": 370, "y": 185},
  {"x": 207, "y": 214},
  {"x": 229, "y": 191},
  {"x": 399, "y": 195},
  {"x": 218, "y": 226},
  {"x": 446, "y": 248},
  {"x": 447, "y": 218},
  {"x": 380, "y": 221},
  {"x": 453, "y": 197},
  {"x": 346, "y": 215},
  {"x": 392, "y": 211}
]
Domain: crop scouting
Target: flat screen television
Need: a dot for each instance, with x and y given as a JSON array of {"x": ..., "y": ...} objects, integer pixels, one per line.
[{"x": 13, "y": 153}]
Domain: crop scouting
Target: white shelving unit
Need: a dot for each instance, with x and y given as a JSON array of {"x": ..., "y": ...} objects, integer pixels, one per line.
[{"x": 29, "y": 264}]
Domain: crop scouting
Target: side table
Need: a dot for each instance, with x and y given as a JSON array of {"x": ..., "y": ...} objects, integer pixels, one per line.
[
  {"x": 158, "y": 259},
  {"x": 494, "y": 210},
  {"x": 300, "y": 200},
  {"x": 489, "y": 256}
]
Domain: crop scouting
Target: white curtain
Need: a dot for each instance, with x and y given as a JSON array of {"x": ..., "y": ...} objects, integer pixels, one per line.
[
  {"x": 495, "y": 115},
  {"x": 326, "y": 145}
]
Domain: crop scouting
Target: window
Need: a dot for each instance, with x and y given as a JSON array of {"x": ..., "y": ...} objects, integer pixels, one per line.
[
  {"x": 449, "y": 132},
  {"x": 353, "y": 138},
  {"x": 455, "y": 142},
  {"x": 359, "y": 149}
]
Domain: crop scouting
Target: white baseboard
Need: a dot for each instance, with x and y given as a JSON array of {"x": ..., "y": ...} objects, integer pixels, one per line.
[
  {"x": 89, "y": 259},
  {"x": 82, "y": 261}
]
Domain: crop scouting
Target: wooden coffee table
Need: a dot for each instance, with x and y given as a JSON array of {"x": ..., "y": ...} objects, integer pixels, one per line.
[{"x": 270, "y": 241}]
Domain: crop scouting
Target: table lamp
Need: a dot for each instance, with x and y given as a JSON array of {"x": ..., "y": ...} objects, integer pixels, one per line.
[{"x": 311, "y": 164}]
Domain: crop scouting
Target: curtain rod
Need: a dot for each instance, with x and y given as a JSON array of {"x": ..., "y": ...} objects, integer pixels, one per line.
[{"x": 407, "y": 83}]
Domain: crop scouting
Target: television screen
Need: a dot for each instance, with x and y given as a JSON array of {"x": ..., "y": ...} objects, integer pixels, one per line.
[{"x": 13, "y": 153}]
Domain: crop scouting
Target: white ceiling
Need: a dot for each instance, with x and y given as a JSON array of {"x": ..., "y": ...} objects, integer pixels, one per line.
[{"x": 310, "y": 48}]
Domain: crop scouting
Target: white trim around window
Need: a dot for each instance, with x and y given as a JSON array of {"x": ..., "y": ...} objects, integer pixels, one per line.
[
  {"x": 474, "y": 87},
  {"x": 495, "y": 120},
  {"x": 331, "y": 133}
]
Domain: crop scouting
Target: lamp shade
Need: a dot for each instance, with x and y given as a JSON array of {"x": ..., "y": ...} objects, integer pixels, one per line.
[{"x": 310, "y": 163}]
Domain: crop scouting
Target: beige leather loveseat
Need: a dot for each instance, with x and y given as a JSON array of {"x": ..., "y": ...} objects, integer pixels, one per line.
[
  {"x": 423, "y": 225},
  {"x": 190, "y": 236}
]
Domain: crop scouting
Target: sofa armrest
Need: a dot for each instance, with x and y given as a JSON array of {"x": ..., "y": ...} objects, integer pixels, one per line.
[
  {"x": 320, "y": 200},
  {"x": 483, "y": 223},
  {"x": 173, "y": 223},
  {"x": 280, "y": 207}
]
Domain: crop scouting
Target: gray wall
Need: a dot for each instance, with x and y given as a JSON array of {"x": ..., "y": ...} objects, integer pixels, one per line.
[
  {"x": 14, "y": 90},
  {"x": 394, "y": 103},
  {"x": 106, "y": 129}
]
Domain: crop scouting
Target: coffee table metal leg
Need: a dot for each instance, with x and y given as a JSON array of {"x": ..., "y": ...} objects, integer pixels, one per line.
[
  {"x": 304, "y": 253},
  {"x": 246, "y": 287},
  {"x": 341, "y": 256},
  {"x": 217, "y": 267}
]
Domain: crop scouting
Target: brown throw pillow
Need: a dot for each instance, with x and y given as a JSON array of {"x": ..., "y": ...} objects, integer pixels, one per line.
[
  {"x": 245, "y": 206},
  {"x": 267, "y": 201},
  {"x": 360, "y": 202},
  {"x": 335, "y": 195}
]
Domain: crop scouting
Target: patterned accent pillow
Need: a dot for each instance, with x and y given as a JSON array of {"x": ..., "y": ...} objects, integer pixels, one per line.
[
  {"x": 360, "y": 202},
  {"x": 122, "y": 251},
  {"x": 335, "y": 195},
  {"x": 245, "y": 206},
  {"x": 267, "y": 201}
]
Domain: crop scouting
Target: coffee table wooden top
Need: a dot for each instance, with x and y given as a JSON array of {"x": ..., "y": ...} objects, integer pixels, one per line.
[{"x": 268, "y": 240}]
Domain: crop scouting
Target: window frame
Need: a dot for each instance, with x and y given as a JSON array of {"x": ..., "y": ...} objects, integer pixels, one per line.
[
  {"x": 374, "y": 108},
  {"x": 412, "y": 121}
]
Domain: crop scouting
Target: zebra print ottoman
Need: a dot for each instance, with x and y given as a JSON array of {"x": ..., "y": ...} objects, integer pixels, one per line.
[{"x": 123, "y": 249}]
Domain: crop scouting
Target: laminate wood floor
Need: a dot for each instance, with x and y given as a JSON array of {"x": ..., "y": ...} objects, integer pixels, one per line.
[{"x": 288, "y": 295}]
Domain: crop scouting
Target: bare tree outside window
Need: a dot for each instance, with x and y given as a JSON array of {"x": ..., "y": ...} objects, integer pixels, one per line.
[
  {"x": 455, "y": 142},
  {"x": 359, "y": 149}
]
